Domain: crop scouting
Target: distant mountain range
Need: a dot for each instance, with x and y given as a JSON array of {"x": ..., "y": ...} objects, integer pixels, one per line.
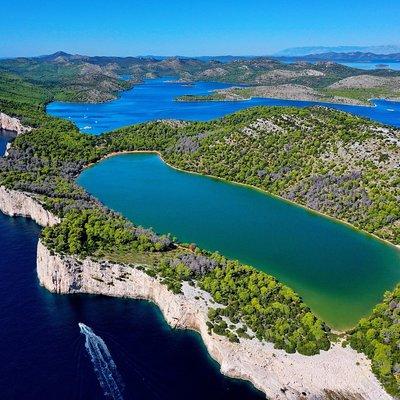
[
  {"x": 343, "y": 56},
  {"x": 305, "y": 51},
  {"x": 357, "y": 56},
  {"x": 222, "y": 58}
]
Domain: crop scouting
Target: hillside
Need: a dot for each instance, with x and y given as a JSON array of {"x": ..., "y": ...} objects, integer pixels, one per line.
[
  {"x": 65, "y": 80},
  {"x": 69, "y": 77}
]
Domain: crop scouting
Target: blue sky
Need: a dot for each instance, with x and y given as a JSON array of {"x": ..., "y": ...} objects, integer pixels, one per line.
[{"x": 206, "y": 27}]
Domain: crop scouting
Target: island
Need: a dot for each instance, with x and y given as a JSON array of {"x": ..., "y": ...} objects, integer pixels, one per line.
[
  {"x": 68, "y": 77},
  {"x": 257, "y": 328}
]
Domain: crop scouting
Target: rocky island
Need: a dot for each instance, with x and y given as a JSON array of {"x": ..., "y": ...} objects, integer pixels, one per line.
[{"x": 357, "y": 90}]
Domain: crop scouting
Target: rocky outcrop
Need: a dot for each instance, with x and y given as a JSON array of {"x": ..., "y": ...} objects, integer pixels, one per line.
[
  {"x": 12, "y": 124},
  {"x": 339, "y": 373},
  {"x": 15, "y": 203},
  {"x": 367, "y": 82},
  {"x": 287, "y": 91}
]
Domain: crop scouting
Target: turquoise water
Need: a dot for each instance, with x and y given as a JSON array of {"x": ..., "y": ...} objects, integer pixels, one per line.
[
  {"x": 155, "y": 99},
  {"x": 340, "y": 272}
]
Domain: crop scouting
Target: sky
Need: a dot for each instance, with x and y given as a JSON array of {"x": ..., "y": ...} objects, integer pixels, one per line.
[{"x": 192, "y": 28}]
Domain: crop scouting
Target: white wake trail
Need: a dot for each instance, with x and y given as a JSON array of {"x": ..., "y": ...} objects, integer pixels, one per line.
[{"x": 104, "y": 365}]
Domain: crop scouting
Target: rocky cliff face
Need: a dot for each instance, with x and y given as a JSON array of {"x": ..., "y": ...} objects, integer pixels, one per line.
[
  {"x": 339, "y": 373},
  {"x": 15, "y": 203},
  {"x": 13, "y": 124}
]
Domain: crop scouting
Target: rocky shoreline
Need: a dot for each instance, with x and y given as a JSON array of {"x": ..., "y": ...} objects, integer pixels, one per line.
[
  {"x": 15, "y": 203},
  {"x": 339, "y": 373},
  {"x": 12, "y": 124}
]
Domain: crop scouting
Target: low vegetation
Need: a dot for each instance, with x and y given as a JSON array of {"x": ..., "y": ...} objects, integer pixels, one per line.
[
  {"x": 364, "y": 94},
  {"x": 81, "y": 78}
]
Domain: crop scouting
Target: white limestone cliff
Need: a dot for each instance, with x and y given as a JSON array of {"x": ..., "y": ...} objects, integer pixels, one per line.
[
  {"x": 13, "y": 124},
  {"x": 341, "y": 372},
  {"x": 15, "y": 203}
]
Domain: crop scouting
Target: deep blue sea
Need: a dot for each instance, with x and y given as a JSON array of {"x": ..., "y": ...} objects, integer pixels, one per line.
[
  {"x": 5, "y": 137},
  {"x": 43, "y": 354},
  {"x": 154, "y": 99}
]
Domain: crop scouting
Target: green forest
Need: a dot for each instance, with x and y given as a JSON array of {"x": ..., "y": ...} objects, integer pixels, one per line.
[{"x": 378, "y": 336}]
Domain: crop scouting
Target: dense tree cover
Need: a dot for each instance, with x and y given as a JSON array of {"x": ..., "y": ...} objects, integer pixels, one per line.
[
  {"x": 66, "y": 81},
  {"x": 19, "y": 98},
  {"x": 329, "y": 161},
  {"x": 253, "y": 303},
  {"x": 45, "y": 163},
  {"x": 271, "y": 310},
  {"x": 95, "y": 230},
  {"x": 378, "y": 336}
]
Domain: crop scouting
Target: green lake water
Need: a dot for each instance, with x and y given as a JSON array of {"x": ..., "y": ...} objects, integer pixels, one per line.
[{"x": 340, "y": 273}]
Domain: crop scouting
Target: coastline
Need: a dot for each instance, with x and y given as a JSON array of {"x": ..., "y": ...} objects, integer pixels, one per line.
[
  {"x": 327, "y": 102},
  {"x": 339, "y": 371},
  {"x": 118, "y": 94},
  {"x": 13, "y": 124},
  {"x": 16, "y": 203},
  {"x": 372, "y": 390}
]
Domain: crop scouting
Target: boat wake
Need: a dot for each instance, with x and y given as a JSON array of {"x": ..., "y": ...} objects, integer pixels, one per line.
[{"x": 104, "y": 365}]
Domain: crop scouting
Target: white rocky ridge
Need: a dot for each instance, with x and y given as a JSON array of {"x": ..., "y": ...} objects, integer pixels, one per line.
[
  {"x": 339, "y": 372},
  {"x": 279, "y": 375},
  {"x": 16, "y": 203},
  {"x": 12, "y": 124}
]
